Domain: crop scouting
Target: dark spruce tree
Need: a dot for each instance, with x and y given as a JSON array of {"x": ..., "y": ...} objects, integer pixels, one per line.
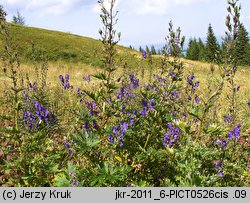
[
  {"x": 18, "y": 19},
  {"x": 241, "y": 50},
  {"x": 212, "y": 49},
  {"x": 2, "y": 14},
  {"x": 148, "y": 50},
  {"x": 153, "y": 50},
  {"x": 193, "y": 50},
  {"x": 201, "y": 50}
]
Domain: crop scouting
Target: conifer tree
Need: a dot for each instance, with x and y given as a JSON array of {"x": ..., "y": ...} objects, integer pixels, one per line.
[
  {"x": 193, "y": 50},
  {"x": 153, "y": 50},
  {"x": 241, "y": 50},
  {"x": 2, "y": 14},
  {"x": 18, "y": 19},
  {"x": 212, "y": 46},
  {"x": 148, "y": 50},
  {"x": 201, "y": 50}
]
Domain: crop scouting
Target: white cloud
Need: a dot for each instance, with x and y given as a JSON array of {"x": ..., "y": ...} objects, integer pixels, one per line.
[
  {"x": 45, "y": 7},
  {"x": 97, "y": 8},
  {"x": 158, "y": 7}
]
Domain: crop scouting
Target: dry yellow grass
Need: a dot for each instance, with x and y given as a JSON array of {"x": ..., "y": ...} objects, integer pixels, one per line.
[{"x": 200, "y": 69}]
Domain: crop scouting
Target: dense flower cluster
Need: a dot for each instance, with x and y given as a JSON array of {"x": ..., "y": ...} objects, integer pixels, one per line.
[
  {"x": 171, "y": 137},
  {"x": 126, "y": 90},
  {"x": 65, "y": 82},
  {"x": 42, "y": 114},
  {"x": 221, "y": 143},
  {"x": 228, "y": 119},
  {"x": 66, "y": 144},
  {"x": 134, "y": 81},
  {"x": 118, "y": 132},
  {"x": 144, "y": 54},
  {"x": 87, "y": 78},
  {"x": 93, "y": 112},
  {"x": 190, "y": 81},
  {"x": 147, "y": 106},
  {"x": 235, "y": 133}
]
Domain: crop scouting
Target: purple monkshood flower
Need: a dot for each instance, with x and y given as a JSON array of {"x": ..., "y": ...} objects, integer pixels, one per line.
[
  {"x": 220, "y": 174},
  {"x": 144, "y": 102},
  {"x": 152, "y": 104},
  {"x": 124, "y": 93},
  {"x": 172, "y": 74},
  {"x": 144, "y": 112},
  {"x": 66, "y": 144},
  {"x": 67, "y": 77},
  {"x": 132, "y": 121},
  {"x": 235, "y": 132},
  {"x": 172, "y": 135},
  {"x": 78, "y": 90},
  {"x": 110, "y": 138},
  {"x": 222, "y": 142},
  {"x": 196, "y": 85},
  {"x": 74, "y": 183},
  {"x": 217, "y": 164},
  {"x": 65, "y": 83},
  {"x": 119, "y": 131},
  {"x": 125, "y": 126},
  {"x": 41, "y": 114},
  {"x": 190, "y": 79},
  {"x": 238, "y": 88},
  {"x": 91, "y": 107},
  {"x": 87, "y": 78},
  {"x": 248, "y": 103},
  {"x": 144, "y": 54},
  {"x": 227, "y": 119},
  {"x": 175, "y": 95},
  {"x": 197, "y": 100},
  {"x": 134, "y": 81}
]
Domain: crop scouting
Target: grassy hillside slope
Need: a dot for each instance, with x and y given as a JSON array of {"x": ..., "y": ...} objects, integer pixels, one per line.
[{"x": 59, "y": 46}]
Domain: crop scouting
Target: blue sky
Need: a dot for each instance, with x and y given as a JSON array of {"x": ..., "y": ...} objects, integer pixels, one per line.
[{"x": 140, "y": 21}]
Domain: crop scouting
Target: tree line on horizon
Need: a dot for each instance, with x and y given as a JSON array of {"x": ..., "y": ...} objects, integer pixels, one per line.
[
  {"x": 208, "y": 51},
  {"x": 211, "y": 50},
  {"x": 17, "y": 19}
]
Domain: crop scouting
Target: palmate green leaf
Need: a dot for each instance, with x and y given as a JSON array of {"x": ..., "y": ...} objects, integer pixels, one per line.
[
  {"x": 90, "y": 94},
  {"x": 195, "y": 111},
  {"x": 213, "y": 129},
  {"x": 4, "y": 117},
  {"x": 100, "y": 76},
  {"x": 61, "y": 180}
]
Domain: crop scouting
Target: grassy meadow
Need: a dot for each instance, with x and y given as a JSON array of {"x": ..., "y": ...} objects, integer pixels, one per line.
[{"x": 78, "y": 112}]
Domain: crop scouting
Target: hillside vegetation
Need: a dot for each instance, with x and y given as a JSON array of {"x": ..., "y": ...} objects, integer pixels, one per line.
[
  {"x": 75, "y": 113},
  {"x": 60, "y": 46}
]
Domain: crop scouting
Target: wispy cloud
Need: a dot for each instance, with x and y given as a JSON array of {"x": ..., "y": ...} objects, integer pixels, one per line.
[
  {"x": 157, "y": 7},
  {"x": 45, "y": 7}
]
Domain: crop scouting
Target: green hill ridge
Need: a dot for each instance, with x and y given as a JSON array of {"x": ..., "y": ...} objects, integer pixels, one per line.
[{"x": 60, "y": 46}]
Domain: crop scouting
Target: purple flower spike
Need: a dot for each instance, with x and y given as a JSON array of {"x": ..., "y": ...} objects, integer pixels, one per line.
[
  {"x": 110, "y": 138},
  {"x": 152, "y": 104},
  {"x": 220, "y": 174},
  {"x": 144, "y": 54},
  {"x": 217, "y": 164},
  {"x": 144, "y": 103},
  {"x": 197, "y": 100},
  {"x": 67, "y": 77}
]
